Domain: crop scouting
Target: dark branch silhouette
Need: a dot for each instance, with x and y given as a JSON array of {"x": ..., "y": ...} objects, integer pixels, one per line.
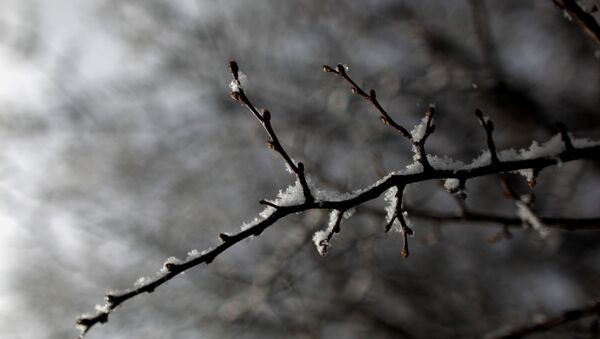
[
  {"x": 583, "y": 19},
  {"x": 423, "y": 169}
]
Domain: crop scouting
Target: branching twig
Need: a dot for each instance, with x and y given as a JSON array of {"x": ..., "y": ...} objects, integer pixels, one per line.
[
  {"x": 552, "y": 322},
  {"x": 418, "y": 136},
  {"x": 371, "y": 97},
  {"x": 568, "y": 224},
  {"x": 238, "y": 94},
  {"x": 275, "y": 212}
]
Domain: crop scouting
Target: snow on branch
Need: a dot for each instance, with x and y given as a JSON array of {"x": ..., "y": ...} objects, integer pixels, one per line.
[
  {"x": 299, "y": 197},
  {"x": 524, "y": 211}
]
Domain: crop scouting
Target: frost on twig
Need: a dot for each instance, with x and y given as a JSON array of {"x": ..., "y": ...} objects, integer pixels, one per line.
[
  {"x": 299, "y": 197},
  {"x": 456, "y": 187},
  {"x": 391, "y": 199},
  {"x": 523, "y": 203},
  {"x": 419, "y": 135},
  {"x": 529, "y": 218},
  {"x": 264, "y": 117},
  {"x": 322, "y": 238}
]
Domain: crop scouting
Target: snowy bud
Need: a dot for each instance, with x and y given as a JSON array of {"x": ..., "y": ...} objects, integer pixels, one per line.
[
  {"x": 354, "y": 90},
  {"x": 270, "y": 144},
  {"x": 169, "y": 266},
  {"x": 327, "y": 69},
  {"x": 111, "y": 299},
  {"x": 384, "y": 120}
]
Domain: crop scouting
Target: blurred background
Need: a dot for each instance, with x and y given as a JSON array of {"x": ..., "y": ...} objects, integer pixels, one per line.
[{"x": 120, "y": 147}]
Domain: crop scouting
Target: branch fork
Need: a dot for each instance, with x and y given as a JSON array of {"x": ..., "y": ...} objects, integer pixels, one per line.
[{"x": 339, "y": 207}]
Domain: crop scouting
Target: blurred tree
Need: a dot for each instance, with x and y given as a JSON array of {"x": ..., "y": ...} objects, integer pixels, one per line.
[{"x": 151, "y": 158}]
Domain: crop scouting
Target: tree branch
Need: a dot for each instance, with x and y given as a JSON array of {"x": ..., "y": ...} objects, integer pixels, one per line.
[
  {"x": 274, "y": 212},
  {"x": 552, "y": 322},
  {"x": 568, "y": 224},
  {"x": 583, "y": 19},
  {"x": 238, "y": 94},
  {"x": 371, "y": 97}
]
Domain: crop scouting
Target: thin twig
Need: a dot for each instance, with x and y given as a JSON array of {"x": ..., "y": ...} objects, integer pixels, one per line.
[
  {"x": 265, "y": 120},
  {"x": 552, "y": 322},
  {"x": 568, "y": 224},
  {"x": 371, "y": 97},
  {"x": 488, "y": 125},
  {"x": 114, "y": 300},
  {"x": 172, "y": 269},
  {"x": 417, "y": 140},
  {"x": 583, "y": 19}
]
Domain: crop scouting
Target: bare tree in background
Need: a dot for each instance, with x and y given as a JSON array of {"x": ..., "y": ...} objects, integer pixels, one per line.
[{"x": 160, "y": 160}]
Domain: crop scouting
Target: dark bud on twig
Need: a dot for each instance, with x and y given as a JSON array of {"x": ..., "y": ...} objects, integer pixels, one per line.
[
  {"x": 594, "y": 9},
  {"x": 270, "y": 144},
  {"x": 266, "y": 115},
  {"x": 224, "y": 237},
  {"x": 372, "y": 94},
  {"x": 564, "y": 135},
  {"x": 384, "y": 120},
  {"x": 233, "y": 67},
  {"x": 84, "y": 321},
  {"x": 170, "y": 266},
  {"x": 111, "y": 299},
  {"x": 327, "y": 69},
  {"x": 340, "y": 68},
  {"x": 405, "y": 251},
  {"x": 479, "y": 114},
  {"x": 429, "y": 111},
  {"x": 235, "y": 96},
  {"x": 531, "y": 181},
  {"x": 354, "y": 90},
  {"x": 300, "y": 167}
]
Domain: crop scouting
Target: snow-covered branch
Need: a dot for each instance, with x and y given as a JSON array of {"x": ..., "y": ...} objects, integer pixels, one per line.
[{"x": 304, "y": 195}]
